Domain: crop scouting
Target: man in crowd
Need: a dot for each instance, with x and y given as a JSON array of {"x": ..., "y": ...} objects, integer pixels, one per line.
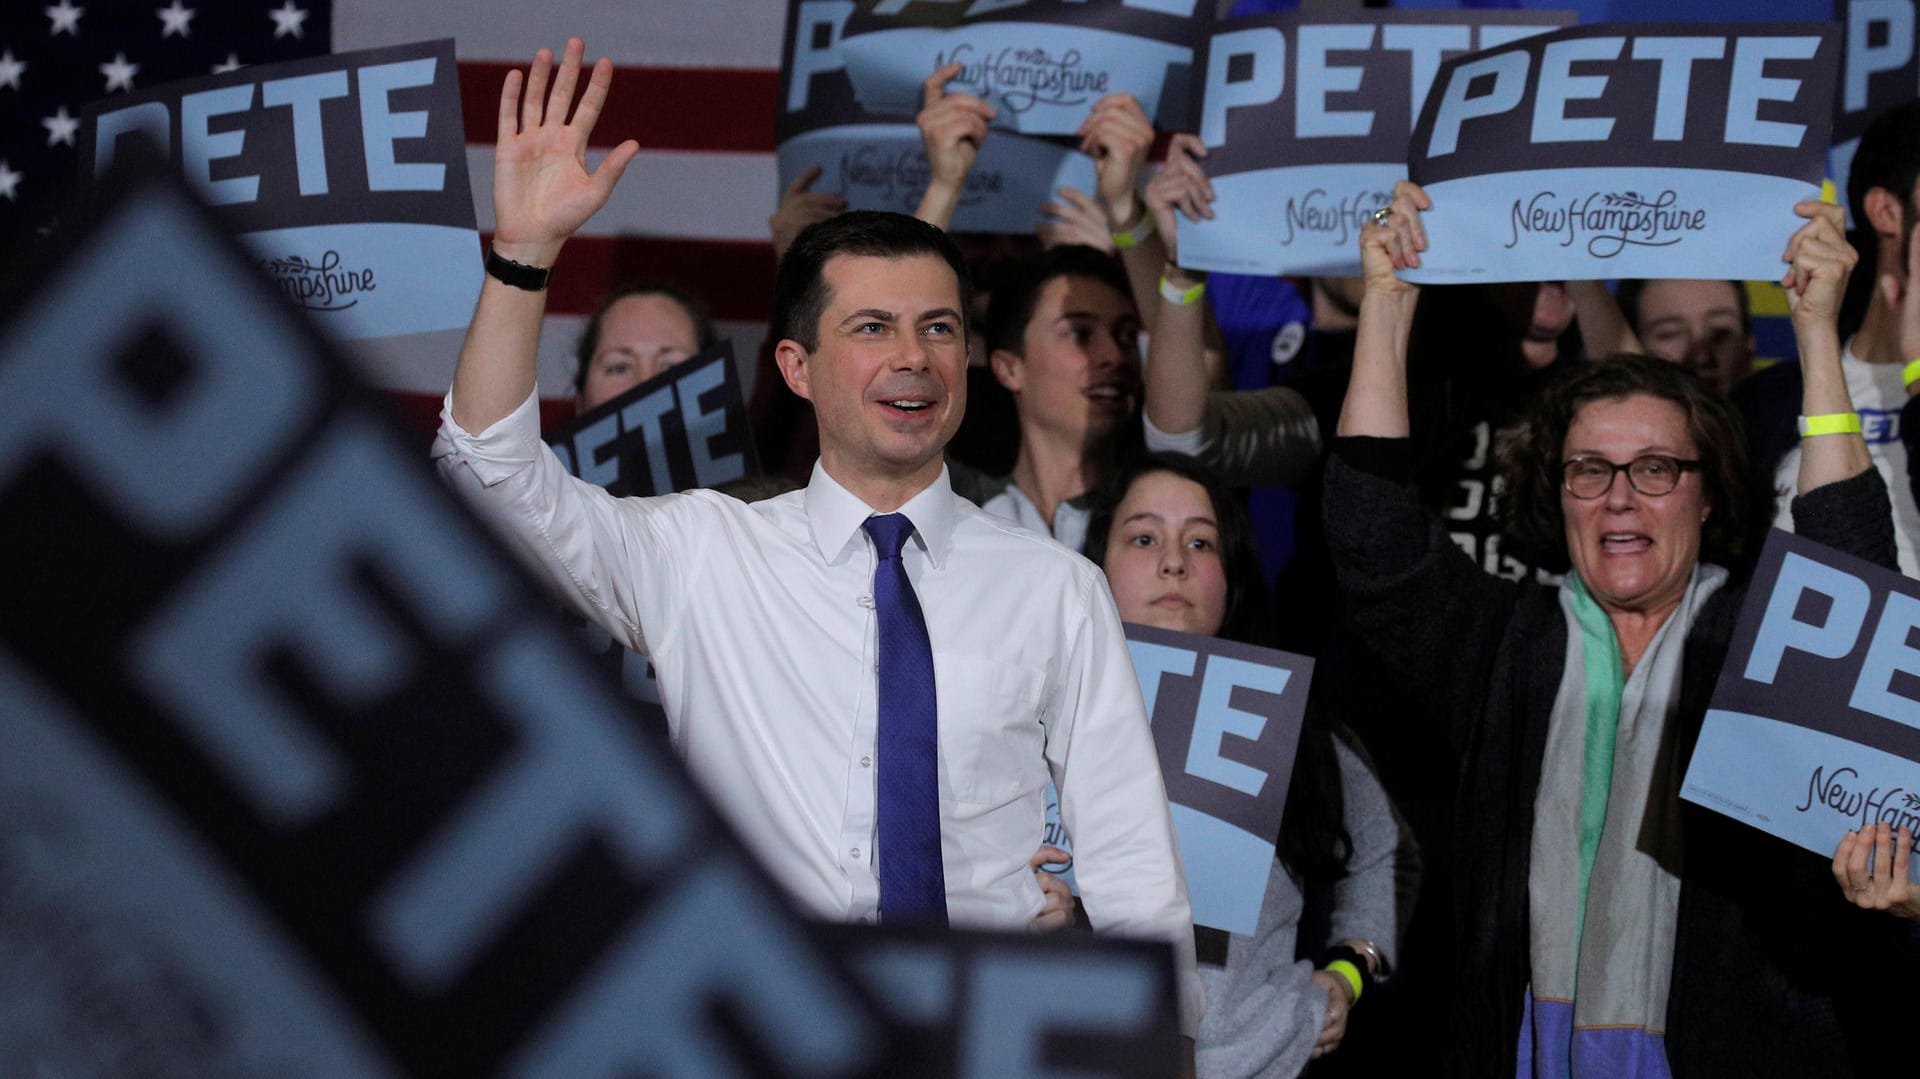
[
  {"x": 874, "y": 679},
  {"x": 1703, "y": 325},
  {"x": 1882, "y": 187}
]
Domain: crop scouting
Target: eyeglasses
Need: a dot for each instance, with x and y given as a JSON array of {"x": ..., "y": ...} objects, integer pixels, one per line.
[{"x": 1654, "y": 474}]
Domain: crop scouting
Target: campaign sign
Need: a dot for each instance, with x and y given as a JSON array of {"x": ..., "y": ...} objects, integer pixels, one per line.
[
  {"x": 1226, "y": 720},
  {"x": 1815, "y": 724},
  {"x": 297, "y": 761},
  {"x": 981, "y": 1006},
  {"x": 1625, "y": 150},
  {"x": 1306, "y": 118},
  {"x": 685, "y": 427},
  {"x": 876, "y": 161},
  {"x": 346, "y": 175},
  {"x": 1879, "y": 68},
  {"x": 1041, "y": 63}
]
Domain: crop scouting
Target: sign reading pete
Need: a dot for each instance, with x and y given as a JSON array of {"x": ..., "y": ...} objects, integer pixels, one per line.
[
  {"x": 876, "y": 161},
  {"x": 1226, "y": 720},
  {"x": 1815, "y": 724},
  {"x": 346, "y": 175},
  {"x": 1306, "y": 118},
  {"x": 1625, "y": 150}
]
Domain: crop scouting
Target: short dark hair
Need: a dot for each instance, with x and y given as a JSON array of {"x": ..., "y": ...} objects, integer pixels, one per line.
[
  {"x": 1530, "y": 461},
  {"x": 1629, "y": 292},
  {"x": 589, "y": 343},
  {"x": 1889, "y": 157},
  {"x": 1247, "y": 617},
  {"x": 1018, "y": 291},
  {"x": 800, "y": 285}
]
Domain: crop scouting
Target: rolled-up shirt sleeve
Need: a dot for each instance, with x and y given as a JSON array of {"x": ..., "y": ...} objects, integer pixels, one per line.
[
  {"x": 1112, "y": 799},
  {"x": 606, "y": 557}
]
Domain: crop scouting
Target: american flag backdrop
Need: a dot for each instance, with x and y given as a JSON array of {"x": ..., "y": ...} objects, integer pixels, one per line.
[
  {"x": 695, "y": 84},
  {"x": 57, "y": 56}
]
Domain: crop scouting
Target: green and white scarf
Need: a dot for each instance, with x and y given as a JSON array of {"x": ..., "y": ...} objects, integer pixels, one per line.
[{"x": 1604, "y": 881}]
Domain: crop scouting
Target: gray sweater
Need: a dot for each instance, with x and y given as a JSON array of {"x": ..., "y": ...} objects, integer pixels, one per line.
[{"x": 1263, "y": 1010}]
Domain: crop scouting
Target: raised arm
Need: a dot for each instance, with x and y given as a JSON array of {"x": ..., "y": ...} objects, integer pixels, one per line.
[
  {"x": 1264, "y": 436},
  {"x": 1177, "y": 377},
  {"x": 1417, "y": 599},
  {"x": 952, "y": 127},
  {"x": 1117, "y": 135},
  {"x": 1819, "y": 259},
  {"x": 542, "y": 192},
  {"x": 1180, "y": 186},
  {"x": 1603, "y": 328},
  {"x": 799, "y": 207},
  {"x": 1376, "y": 403}
]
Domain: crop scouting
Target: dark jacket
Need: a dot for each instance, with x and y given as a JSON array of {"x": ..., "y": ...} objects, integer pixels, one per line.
[{"x": 1764, "y": 976}]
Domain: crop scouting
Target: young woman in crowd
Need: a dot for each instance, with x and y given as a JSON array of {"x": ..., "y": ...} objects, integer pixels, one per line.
[
  {"x": 1178, "y": 553},
  {"x": 1607, "y": 928},
  {"x": 637, "y": 332}
]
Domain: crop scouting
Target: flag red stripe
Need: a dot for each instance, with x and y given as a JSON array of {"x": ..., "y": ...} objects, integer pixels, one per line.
[
  {"x": 665, "y": 108},
  {"x": 419, "y": 414},
  {"x": 735, "y": 278}
]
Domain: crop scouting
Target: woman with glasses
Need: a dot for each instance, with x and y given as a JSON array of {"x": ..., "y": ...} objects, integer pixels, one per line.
[{"x": 1607, "y": 929}]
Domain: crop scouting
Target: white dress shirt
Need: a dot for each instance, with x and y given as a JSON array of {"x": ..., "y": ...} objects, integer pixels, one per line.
[
  {"x": 761, "y": 625},
  {"x": 1069, "y": 521}
]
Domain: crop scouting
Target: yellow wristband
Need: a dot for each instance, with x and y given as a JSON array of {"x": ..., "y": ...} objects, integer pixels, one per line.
[
  {"x": 1136, "y": 235},
  {"x": 1834, "y": 423},
  {"x": 1185, "y": 297},
  {"x": 1910, "y": 374},
  {"x": 1348, "y": 971}
]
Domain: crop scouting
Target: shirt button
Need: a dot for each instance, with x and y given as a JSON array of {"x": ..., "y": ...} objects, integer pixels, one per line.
[
  {"x": 866, "y": 762},
  {"x": 855, "y": 852},
  {"x": 865, "y": 600}
]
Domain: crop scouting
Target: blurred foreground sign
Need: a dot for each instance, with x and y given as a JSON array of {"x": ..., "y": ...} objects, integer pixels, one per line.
[{"x": 302, "y": 779}]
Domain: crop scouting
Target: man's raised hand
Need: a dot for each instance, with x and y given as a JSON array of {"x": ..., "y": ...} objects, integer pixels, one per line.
[{"x": 542, "y": 188}]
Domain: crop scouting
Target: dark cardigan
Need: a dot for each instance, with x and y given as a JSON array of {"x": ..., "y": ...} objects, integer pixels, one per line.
[{"x": 1773, "y": 972}]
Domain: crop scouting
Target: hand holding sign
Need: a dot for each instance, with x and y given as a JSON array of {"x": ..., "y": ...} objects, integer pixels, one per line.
[
  {"x": 1393, "y": 239},
  {"x": 1181, "y": 184},
  {"x": 1117, "y": 135},
  {"x": 799, "y": 207},
  {"x": 1819, "y": 260},
  {"x": 542, "y": 189},
  {"x": 952, "y": 126},
  {"x": 1076, "y": 219},
  {"x": 1058, "y": 897},
  {"x": 1887, "y": 886}
]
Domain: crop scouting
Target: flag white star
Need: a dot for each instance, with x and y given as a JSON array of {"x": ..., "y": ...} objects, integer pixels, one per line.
[
  {"x": 287, "y": 19},
  {"x": 9, "y": 183},
  {"x": 174, "y": 19},
  {"x": 65, "y": 18},
  {"x": 231, "y": 63},
  {"x": 61, "y": 127},
  {"x": 11, "y": 70},
  {"x": 119, "y": 73}
]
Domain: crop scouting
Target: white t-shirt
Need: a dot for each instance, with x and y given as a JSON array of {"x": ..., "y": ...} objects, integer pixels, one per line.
[{"x": 1878, "y": 395}]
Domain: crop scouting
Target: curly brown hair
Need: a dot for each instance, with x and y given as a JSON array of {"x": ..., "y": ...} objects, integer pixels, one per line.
[{"x": 1530, "y": 461}]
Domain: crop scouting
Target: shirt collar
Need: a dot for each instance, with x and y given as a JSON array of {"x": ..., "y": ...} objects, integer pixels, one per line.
[{"x": 835, "y": 514}]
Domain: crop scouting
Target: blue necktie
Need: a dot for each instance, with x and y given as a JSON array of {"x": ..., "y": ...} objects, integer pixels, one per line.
[{"x": 913, "y": 883}]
